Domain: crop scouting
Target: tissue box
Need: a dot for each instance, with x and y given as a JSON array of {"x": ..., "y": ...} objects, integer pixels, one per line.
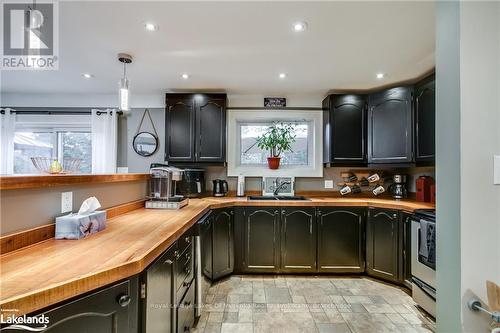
[{"x": 76, "y": 226}]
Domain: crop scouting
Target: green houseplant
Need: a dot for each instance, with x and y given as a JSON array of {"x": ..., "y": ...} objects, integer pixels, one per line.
[{"x": 277, "y": 139}]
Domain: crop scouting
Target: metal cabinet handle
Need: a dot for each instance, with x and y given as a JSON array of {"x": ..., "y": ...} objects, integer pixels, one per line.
[
  {"x": 176, "y": 254},
  {"x": 187, "y": 303},
  {"x": 169, "y": 262},
  {"x": 185, "y": 284},
  {"x": 124, "y": 300},
  {"x": 394, "y": 215},
  {"x": 188, "y": 239},
  {"x": 187, "y": 270}
]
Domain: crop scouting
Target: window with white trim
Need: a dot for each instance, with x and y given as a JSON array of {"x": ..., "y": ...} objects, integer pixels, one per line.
[
  {"x": 244, "y": 157},
  {"x": 251, "y": 154},
  {"x": 58, "y": 137}
]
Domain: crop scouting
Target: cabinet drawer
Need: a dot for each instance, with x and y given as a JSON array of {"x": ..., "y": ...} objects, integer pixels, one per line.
[
  {"x": 185, "y": 312},
  {"x": 184, "y": 267},
  {"x": 185, "y": 240}
]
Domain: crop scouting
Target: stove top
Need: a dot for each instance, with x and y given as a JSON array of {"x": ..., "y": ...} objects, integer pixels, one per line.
[{"x": 429, "y": 214}]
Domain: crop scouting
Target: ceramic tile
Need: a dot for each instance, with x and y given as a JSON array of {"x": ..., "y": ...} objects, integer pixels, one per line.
[
  {"x": 237, "y": 328},
  {"x": 288, "y": 304}
]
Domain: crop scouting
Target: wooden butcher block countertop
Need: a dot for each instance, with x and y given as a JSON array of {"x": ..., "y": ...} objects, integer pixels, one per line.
[{"x": 46, "y": 273}]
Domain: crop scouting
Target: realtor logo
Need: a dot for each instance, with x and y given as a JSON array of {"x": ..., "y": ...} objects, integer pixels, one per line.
[{"x": 30, "y": 35}]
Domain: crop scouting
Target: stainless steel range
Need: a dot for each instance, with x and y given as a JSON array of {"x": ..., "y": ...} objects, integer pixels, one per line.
[{"x": 423, "y": 261}]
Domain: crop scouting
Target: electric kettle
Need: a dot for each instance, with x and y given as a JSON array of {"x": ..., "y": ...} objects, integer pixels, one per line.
[{"x": 220, "y": 188}]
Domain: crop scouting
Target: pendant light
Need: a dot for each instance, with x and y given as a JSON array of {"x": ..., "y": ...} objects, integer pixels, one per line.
[{"x": 124, "y": 83}]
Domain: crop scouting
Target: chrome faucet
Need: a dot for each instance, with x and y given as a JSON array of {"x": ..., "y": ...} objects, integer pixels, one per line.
[{"x": 278, "y": 186}]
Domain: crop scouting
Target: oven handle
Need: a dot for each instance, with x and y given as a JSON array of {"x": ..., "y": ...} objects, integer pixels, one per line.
[{"x": 424, "y": 287}]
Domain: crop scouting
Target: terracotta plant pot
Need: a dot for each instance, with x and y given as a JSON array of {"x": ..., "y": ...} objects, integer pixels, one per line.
[{"x": 273, "y": 162}]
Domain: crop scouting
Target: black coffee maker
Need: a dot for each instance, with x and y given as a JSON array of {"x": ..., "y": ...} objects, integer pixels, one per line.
[
  {"x": 398, "y": 187},
  {"x": 220, "y": 188}
]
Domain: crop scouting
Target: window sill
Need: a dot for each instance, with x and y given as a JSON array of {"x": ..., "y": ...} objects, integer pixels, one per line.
[{"x": 13, "y": 182}]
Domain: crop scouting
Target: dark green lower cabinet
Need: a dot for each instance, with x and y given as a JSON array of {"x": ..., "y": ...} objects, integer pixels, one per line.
[
  {"x": 217, "y": 244},
  {"x": 261, "y": 240},
  {"x": 159, "y": 294},
  {"x": 382, "y": 250},
  {"x": 223, "y": 243},
  {"x": 341, "y": 240},
  {"x": 298, "y": 240},
  {"x": 110, "y": 310},
  {"x": 405, "y": 249}
]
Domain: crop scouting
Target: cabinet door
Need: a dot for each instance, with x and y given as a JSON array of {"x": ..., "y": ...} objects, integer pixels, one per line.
[
  {"x": 261, "y": 240},
  {"x": 223, "y": 243},
  {"x": 341, "y": 240},
  {"x": 179, "y": 128},
  {"x": 382, "y": 243},
  {"x": 298, "y": 239},
  {"x": 390, "y": 126},
  {"x": 206, "y": 246},
  {"x": 405, "y": 249},
  {"x": 110, "y": 310},
  {"x": 425, "y": 121},
  {"x": 160, "y": 291},
  {"x": 348, "y": 129},
  {"x": 210, "y": 128}
]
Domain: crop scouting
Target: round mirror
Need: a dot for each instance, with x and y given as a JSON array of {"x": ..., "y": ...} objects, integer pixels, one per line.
[{"x": 145, "y": 143}]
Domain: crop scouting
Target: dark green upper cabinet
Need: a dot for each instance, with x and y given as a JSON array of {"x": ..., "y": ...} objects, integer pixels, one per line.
[
  {"x": 179, "y": 128},
  {"x": 261, "y": 239},
  {"x": 195, "y": 128},
  {"x": 298, "y": 239},
  {"x": 382, "y": 250},
  {"x": 390, "y": 126},
  {"x": 210, "y": 128},
  {"x": 344, "y": 129},
  {"x": 341, "y": 240},
  {"x": 425, "y": 121}
]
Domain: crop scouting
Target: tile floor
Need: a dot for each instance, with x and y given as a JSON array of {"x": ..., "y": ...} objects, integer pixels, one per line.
[{"x": 255, "y": 304}]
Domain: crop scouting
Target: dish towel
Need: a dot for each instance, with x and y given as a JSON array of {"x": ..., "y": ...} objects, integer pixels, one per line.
[{"x": 427, "y": 240}]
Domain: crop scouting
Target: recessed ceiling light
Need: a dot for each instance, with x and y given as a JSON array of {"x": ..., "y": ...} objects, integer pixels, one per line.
[
  {"x": 150, "y": 26},
  {"x": 87, "y": 75},
  {"x": 300, "y": 26},
  {"x": 185, "y": 76},
  {"x": 282, "y": 75},
  {"x": 380, "y": 75}
]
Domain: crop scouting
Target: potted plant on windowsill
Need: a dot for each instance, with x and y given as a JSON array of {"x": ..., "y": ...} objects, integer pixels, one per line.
[{"x": 277, "y": 139}]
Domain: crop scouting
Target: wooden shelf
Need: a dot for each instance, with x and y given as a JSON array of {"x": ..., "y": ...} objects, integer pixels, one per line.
[{"x": 39, "y": 181}]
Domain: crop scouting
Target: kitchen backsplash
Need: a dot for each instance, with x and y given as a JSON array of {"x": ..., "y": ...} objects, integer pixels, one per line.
[{"x": 317, "y": 184}]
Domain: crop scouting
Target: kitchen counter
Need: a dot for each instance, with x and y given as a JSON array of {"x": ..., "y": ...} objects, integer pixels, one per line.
[
  {"x": 52, "y": 271},
  {"x": 15, "y": 182}
]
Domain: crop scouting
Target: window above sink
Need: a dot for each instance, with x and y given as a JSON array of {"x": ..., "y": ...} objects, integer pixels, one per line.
[{"x": 245, "y": 158}]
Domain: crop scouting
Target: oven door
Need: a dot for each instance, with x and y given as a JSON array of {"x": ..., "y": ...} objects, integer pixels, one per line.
[{"x": 419, "y": 268}]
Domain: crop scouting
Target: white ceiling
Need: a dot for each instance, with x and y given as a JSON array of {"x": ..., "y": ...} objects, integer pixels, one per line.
[{"x": 239, "y": 47}]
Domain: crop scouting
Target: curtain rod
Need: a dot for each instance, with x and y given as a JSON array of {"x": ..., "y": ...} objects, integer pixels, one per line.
[{"x": 55, "y": 111}]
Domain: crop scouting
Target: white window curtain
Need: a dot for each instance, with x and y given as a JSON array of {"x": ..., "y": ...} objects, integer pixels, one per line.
[
  {"x": 104, "y": 140},
  {"x": 7, "y": 131}
]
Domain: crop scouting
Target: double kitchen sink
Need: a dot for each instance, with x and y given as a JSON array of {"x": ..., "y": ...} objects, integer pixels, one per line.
[{"x": 278, "y": 197}]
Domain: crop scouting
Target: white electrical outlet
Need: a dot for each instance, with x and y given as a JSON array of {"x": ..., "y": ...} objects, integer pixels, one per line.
[
  {"x": 66, "y": 202},
  {"x": 496, "y": 170},
  {"x": 328, "y": 183}
]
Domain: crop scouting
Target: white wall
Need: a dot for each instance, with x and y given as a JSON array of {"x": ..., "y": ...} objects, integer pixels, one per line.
[{"x": 480, "y": 140}]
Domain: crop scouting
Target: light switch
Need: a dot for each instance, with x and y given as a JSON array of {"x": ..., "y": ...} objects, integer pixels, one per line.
[
  {"x": 328, "y": 183},
  {"x": 496, "y": 170},
  {"x": 66, "y": 202}
]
